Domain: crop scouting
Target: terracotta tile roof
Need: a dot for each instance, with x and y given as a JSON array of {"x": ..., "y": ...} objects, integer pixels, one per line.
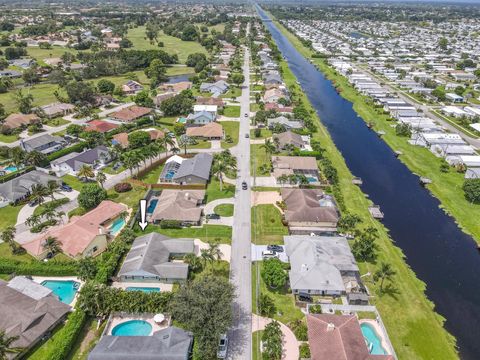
[
  {"x": 156, "y": 134},
  {"x": 303, "y": 205},
  {"x": 121, "y": 138},
  {"x": 211, "y": 130},
  {"x": 100, "y": 126},
  {"x": 210, "y": 101},
  {"x": 132, "y": 113},
  {"x": 175, "y": 87},
  {"x": 80, "y": 231},
  {"x": 338, "y": 337},
  {"x": 179, "y": 205}
]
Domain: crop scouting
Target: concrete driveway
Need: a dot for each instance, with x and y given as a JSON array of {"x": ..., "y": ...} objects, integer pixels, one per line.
[
  {"x": 258, "y": 249},
  {"x": 224, "y": 248}
]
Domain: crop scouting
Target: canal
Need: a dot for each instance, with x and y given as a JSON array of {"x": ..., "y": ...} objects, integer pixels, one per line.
[{"x": 439, "y": 253}]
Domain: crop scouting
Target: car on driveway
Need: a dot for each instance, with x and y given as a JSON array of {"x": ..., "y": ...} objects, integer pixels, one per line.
[
  {"x": 222, "y": 347},
  {"x": 66, "y": 188},
  {"x": 275, "y": 248},
  {"x": 213, "y": 216},
  {"x": 244, "y": 185},
  {"x": 268, "y": 254}
]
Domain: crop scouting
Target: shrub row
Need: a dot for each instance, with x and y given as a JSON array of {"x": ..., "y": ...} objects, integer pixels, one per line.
[
  {"x": 51, "y": 268},
  {"x": 75, "y": 148},
  {"x": 122, "y": 187},
  {"x": 170, "y": 224},
  {"x": 15, "y": 174},
  {"x": 38, "y": 228}
]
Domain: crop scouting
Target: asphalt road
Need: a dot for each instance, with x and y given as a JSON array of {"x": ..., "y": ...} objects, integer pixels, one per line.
[{"x": 240, "y": 336}]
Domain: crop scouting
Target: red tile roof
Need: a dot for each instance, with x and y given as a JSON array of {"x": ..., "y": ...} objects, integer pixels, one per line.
[
  {"x": 132, "y": 113},
  {"x": 100, "y": 126}
]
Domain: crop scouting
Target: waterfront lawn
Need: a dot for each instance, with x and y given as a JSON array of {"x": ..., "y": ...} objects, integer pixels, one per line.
[
  {"x": 171, "y": 45},
  {"x": 231, "y": 111},
  {"x": 414, "y": 328},
  {"x": 232, "y": 129},
  {"x": 214, "y": 192},
  {"x": 224, "y": 210},
  {"x": 267, "y": 226}
]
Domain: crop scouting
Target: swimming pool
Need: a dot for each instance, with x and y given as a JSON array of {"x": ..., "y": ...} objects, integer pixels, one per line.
[
  {"x": 169, "y": 175},
  {"x": 132, "y": 328},
  {"x": 374, "y": 343},
  {"x": 152, "y": 206},
  {"x": 65, "y": 290},
  {"x": 144, "y": 289},
  {"x": 10, "y": 168},
  {"x": 117, "y": 225}
]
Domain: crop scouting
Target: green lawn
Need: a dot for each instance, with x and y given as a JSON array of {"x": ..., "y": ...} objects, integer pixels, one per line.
[
  {"x": 42, "y": 95},
  {"x": 283, "y": 299},
  {"x": 87, "y": 340},
  {"x": 201, "y": 144},
  {"x": 179, "y": 70},
  {"x": 6, "y": 253},
  {"x": 152, "y": 176},
  {"x": 232, "y": 129},
  {"x": 72, "y": 181},
  {"x": 8, "y": 138},
  {"x": 208, "y": 233},
  {"x": 258, "y": 157},
  {"x": 256, "y": 340},
  {"x": 8, "y": 216},
  {"x": 130, "y": 198},
  {"x": 414, "y": 328},
  {"x": 224, "y": 210},
  {"x": 267, "y": 226},
  {"x": 56, "y": 122},
  {"x": 254, "y": 107},
  {"x": 214, "y": 193},
  {"x": 172, "y": 45},
  {"x": 231, "y": 111},
  {"x": 234, "y": 92},
  {"x": 264, "y": 133}
]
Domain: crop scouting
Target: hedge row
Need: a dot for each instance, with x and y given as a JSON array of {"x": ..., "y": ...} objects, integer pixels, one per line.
[
  {"x": 15, "y": 174},
  {"x": 51, "y": 268},
  {"x": 63, "y": 340},
  {"x": 68, "y": 150}
]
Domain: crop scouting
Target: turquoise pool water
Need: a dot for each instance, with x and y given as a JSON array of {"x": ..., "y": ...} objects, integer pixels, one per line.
[
  {"x": 374, "y": 343},
  {"x": 132, "y": 328},
  {"x": 65, "y": 290},
  {"x": 144, "y": 289},
  {"x": 169, "y": 175},
  {"x": 116, "y": 226},
  {"x": 152, "y": 206},
  {"x": 10, "y": 168}
]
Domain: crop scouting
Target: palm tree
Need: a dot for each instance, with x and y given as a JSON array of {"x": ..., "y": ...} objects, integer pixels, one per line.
[
  {"x": 6, "y": 347},
  {"x": 385, "y": 272},
  {"x": 168, "y": 142},
  {"x": 18, "y": 156},
  {"x": 52, "y": 245},
  {"x": 49, "y": 211},
  {"x": 52, "y": 189},
  {"x": 206, "y": 255},
  {"x": 101, "y": 178},
  {"x": 223, "y": 163},
  {"x": 215, "y": 252},
  {"x": 193, "y": 261},
  {"x": 33, "y": 220},
  {"x": 130, "y": 160},
  {"x": 8, "y": 236},
  {"x": 38, "y": 193},
  {"x": 35, "y": 158},
  {"x": 86, "y": 172},
  {"x": 269, "y": 147}
]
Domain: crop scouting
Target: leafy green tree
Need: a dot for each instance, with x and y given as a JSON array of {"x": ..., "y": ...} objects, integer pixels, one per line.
[
  {"x": 443, "y": 43},
  {"x": 52, "y": 246},
  {"x": 189, "y": 33},
  {"x": 30, "y": 76},
  {"x": 74, "y": 130},
  {"x": 87, "y": 268},
  {"x": 203, "y": 306},
  {"x": 273, "y": 273},
  {"x": 440, "y": 94},
  {"x": 8, "y": 237},
  {"x": 237, "y": 79},
  {"x": 86, "y": 172},
  {"x": 471, "y": 189},
  {"x": 24, "y": 101},
  {"x": 138, "y": 139},
  {"x": 180, "y": 104},
  {"x": 266, "y": 306},
  {"x": 105, "y": 86},
  {"x": 365, "y": 247},
  {"x": 194, "y": 262},
  {"x": 91, "y": 195},
  {"x": 272, "y": 341},
  {"x": 80, "y": 92},
  {"x": 403, "y": 130},
  {"x": 156, "y": 72}
]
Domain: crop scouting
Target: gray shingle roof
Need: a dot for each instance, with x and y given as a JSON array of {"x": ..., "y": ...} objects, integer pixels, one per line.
[
  {"x": 167, "y": 344},
  {"x": 42, "y": 140},
  {"x": 87, "y": 157},
  {"x": 150, "y": 255},
  {"x": 20, "y": 186},
  {"x": 198, "y": 166}
]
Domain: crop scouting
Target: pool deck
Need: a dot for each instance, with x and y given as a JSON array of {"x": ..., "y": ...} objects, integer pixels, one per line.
[
  {"x": 378, "y": 330},
  {"x": 163, "y": 286},
  {"x": 40, "y": 279},
  {"x": 118, "y": 318}
]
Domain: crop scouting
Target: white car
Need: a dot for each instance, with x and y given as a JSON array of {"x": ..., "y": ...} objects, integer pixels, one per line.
[
  {"x": 222, "y": 347},
  {"x": 268, "y": 254}
]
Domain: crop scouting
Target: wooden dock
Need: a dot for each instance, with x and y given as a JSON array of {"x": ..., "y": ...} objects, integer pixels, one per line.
[
  {"x": 424, "y": 181},
  {"x": 357, "y": 181},
  {"x": 375, "y": 211}
]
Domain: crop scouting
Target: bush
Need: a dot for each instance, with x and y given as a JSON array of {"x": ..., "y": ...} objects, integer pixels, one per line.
[
  {"x": 37, "y": 268},
  {"x": 273, "y": 273},
  {"x": 471, "y": 188},
  {"x": 299, "y": 328},
  {"x": 123, "y": 187},
  {"x": 91, "y": 195},
  {"x": 170, "y": 224},
  {"x": 38, "y": 228},
  {"x": 315, "y": 309},
  {"x": 266, "y": 306},
  {"x": 75, "y": 148},
  {"x": 305, "y": 351}
]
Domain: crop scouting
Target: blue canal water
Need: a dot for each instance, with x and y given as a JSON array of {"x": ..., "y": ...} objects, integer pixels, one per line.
[
  {"x": 441, "y": 255},
  {"x": 132, "y": 328},
  {"x": 65, "y": 290}
]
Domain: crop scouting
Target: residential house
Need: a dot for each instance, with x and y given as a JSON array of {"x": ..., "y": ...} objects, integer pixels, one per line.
[
  {"x": 195, "y": 170},
  {"x": 285, "y": 122},
  {"x": 298, "y": 165},
  {"x": 83, "y": 236},
  {"x": 13, "y": 74},
  {"x": 290, "y": 139},
  {"x": 272, "y": 79},
  {"x": 46, "y": 144},
  {"x": 200, "y": 118},
  {"x": 321, "y": 265},
  {"x": 131, "y": 87},
  {"x": 162, "y": 97},
  {"x": 211, "y": 131},
  {"x": 216, "y": 88},
  {"x": 28, "y": 312},
  {"x": 22, "y": 63},
  {"x": 171, "y": 343},
  {"x": 15, "y": 121},
  {"x": 150, "y": 259},
  {"x": 279, "y": 108},
  {"x": 454, "y": 97},
  {"x": 210, "y": 101},
  {"x": 120, "y": 139},
  {"x": 100, "y": 126},
  {"x": 57, "y": 109},
  {"x": 273, "y": 95},
  {"x": 179, "y": 205},
  {"x": 309, "y": 211},
  {"x": 338, "y": 337},
  {"x": 73, "y": 162},
  {"x": 212, "y": 109},
  {"x": 175, "y": 87},
  {"x": 19, "y": 188},
  {"x": 131, "y": 113}
]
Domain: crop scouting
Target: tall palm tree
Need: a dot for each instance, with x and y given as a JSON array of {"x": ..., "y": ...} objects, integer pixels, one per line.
[
  {"x": 52, "y": 245},
  {"x": 35, "y": 158},
  {"x": 33, "y": 220},
  {"x": 131, "y": 160},
  {"x": 52, "y": 189},
  {"x": 215, "y": 252},
  {"x": 86, "y": 172},
  {"x": 168, "y": 142},
  {"x": 38, "y": 192},
  {"x": 269, "y": 147},
  {"x": 101, "y": 178},
  {"x": 193, "y": 261},
  {"x": 206, "y": 256},
  {"x": 6, "y": 347},
  {"x": 385, "y": 272},
  {"x": 223, "y": 163},
  {"x": 18, "y": 156}
]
